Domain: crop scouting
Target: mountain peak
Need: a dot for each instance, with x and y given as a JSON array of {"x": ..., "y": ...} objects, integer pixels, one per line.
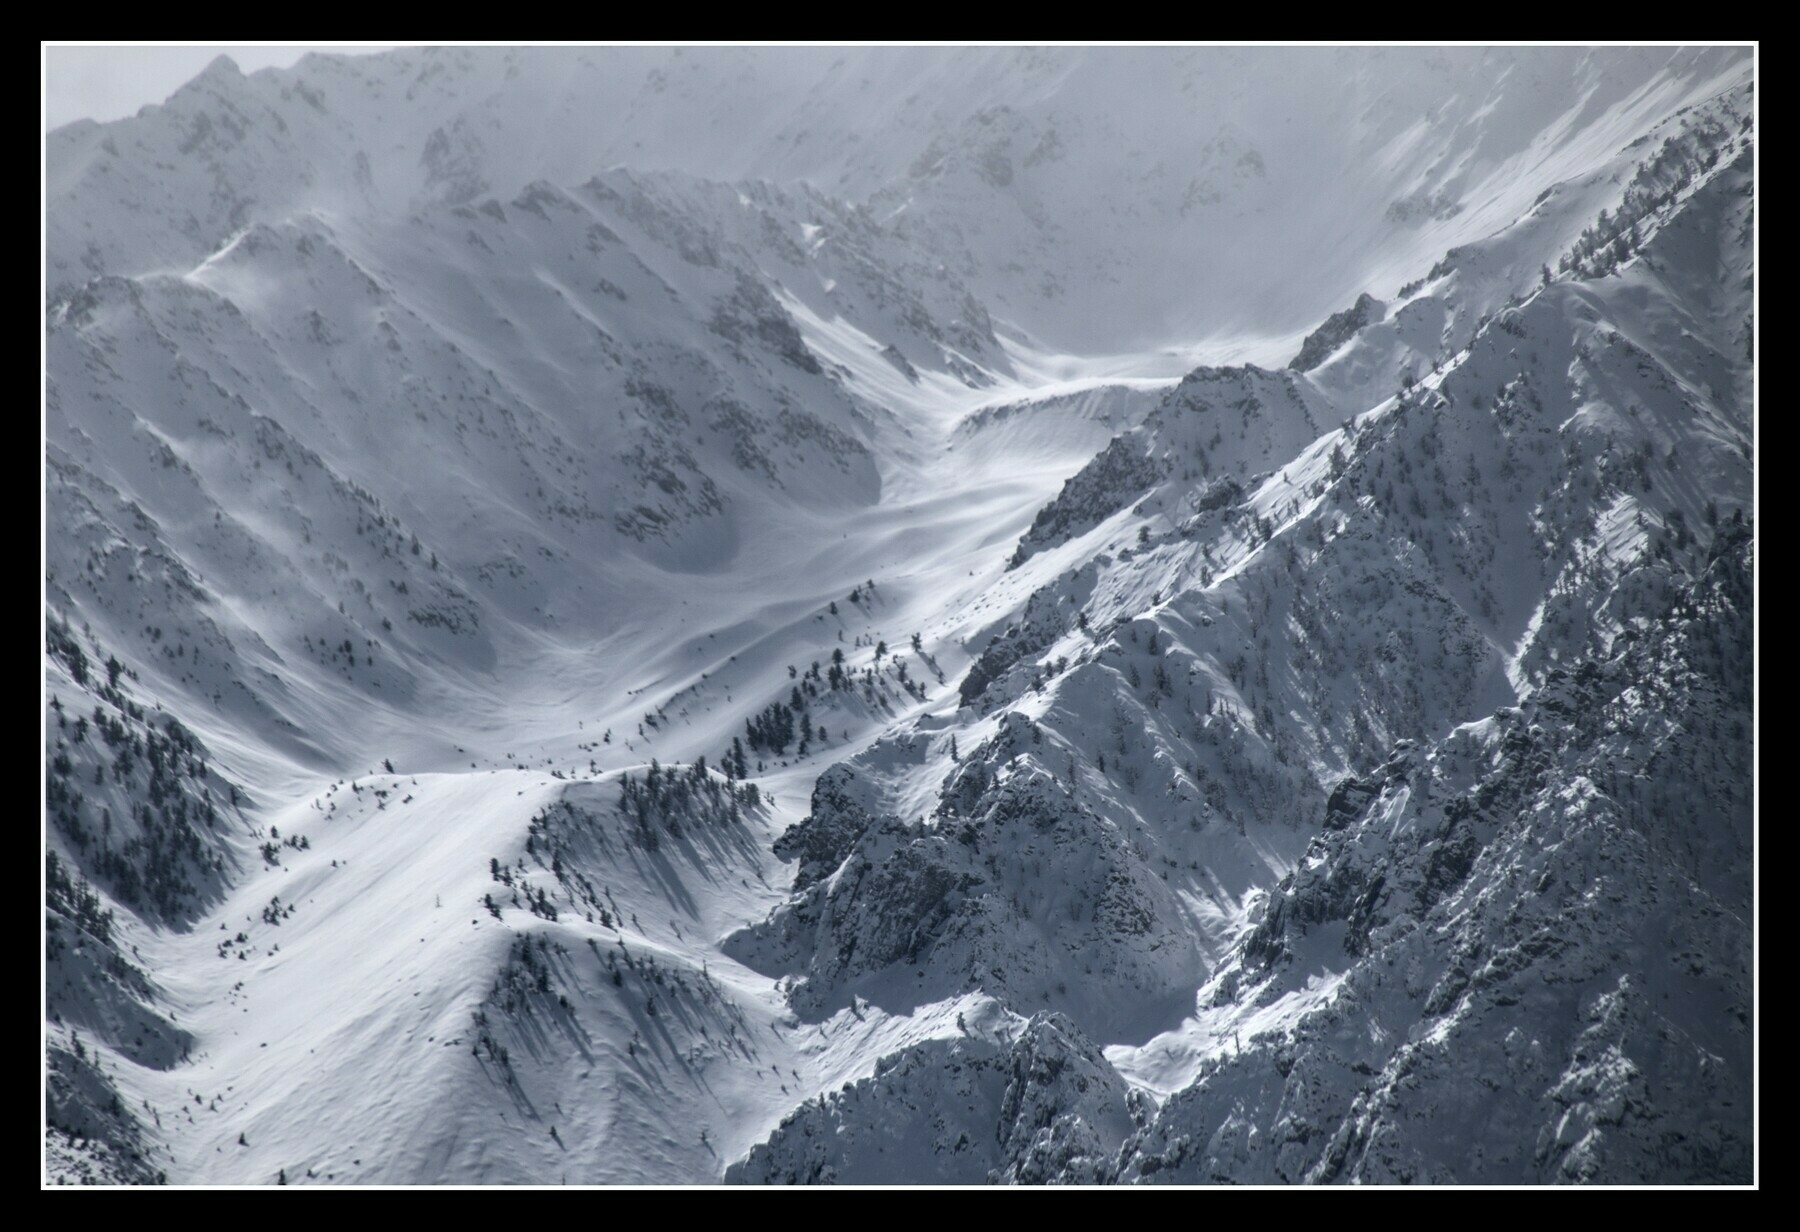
[{"x": 221, "y": 66}]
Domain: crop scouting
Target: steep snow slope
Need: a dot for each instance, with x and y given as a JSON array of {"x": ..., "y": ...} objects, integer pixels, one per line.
[
  {"x": 1082, "y": 192},
  {"x": 1260, "y": 639},
  {"x": 510, "y": 599},
  {"x": 1521, "y": 956},
  {"x": 585, "y": 661}
]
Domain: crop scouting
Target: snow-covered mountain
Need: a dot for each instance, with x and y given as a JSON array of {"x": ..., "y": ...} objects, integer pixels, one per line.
[{"x": 1048, "y": 615}]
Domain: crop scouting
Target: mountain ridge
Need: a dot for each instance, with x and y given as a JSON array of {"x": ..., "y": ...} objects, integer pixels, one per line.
[{"x": 820, "y": 695}]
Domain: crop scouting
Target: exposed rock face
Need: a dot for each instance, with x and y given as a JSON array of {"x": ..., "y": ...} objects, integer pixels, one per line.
[
  {"x": 1014, "y": 889},
  {"x": 1100, "y": 490},
  {"x": 1045, "y": 620},
  {"x": 1513, "y": 964},
  {"x": 1348, "y": 778},
  {"x": 1537, "y": 938},
  {"x": 751, "y": 313},
  {"x": 1037, "y": 1105},
  {"x": 1218, "y": 425},
  {"x": 1066, "y": 1111},
  {"x": 1337, "y": 329},
  {"x": 840, "y": 815}
]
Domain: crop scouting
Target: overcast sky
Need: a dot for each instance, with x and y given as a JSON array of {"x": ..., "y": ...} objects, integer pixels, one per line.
[{"x": 107, "y": 83}]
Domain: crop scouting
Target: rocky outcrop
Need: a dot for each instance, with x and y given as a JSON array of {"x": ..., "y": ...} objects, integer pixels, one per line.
[
  {"x": 1014, "y": 888},
  {"x": 1120, "y": 474},
  {"x": 1039, "y": 1105},
  {"x": 1337, "y": 329},
  {"x": 1530, "y": 971},
  {"x": 841, "y": 813}
]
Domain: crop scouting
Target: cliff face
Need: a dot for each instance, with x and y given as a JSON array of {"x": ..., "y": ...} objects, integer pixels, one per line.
[{"x": 1337, "y": 329}]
